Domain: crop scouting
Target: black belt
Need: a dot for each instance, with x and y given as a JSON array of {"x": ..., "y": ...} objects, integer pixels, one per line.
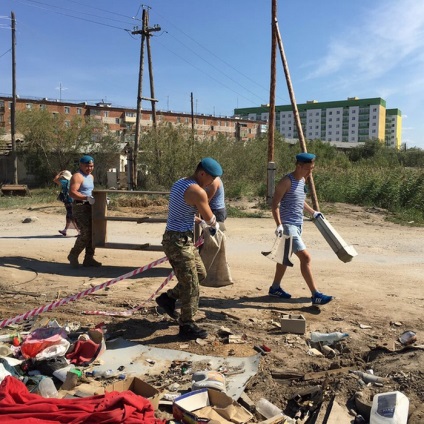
[{"x": 81, "y": 202}]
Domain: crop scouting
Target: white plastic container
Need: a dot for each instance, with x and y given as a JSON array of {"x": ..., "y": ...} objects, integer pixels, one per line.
[
  {"x": 209, "y": 379},
  {"x": 268, "y": 409},
  {"x": 47, "y": 389},
  {"x": 328, "y": 338},
  {"x": 389, "y": 408}
]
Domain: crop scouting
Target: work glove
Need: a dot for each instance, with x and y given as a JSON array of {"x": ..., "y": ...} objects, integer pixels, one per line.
[
  {"x": 318, "y": 214},
  {"x": 214, "y": 229},
  {"x": 279, "y": 231},
  {"x": 91, "y": 200}
]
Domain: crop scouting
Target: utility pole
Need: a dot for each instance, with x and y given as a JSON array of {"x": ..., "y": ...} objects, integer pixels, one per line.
[
  {"x": 271, "y": 117},
  {"x": 145, "y": 32},
  {"x": 302, "y": 141},
  {"x": 13, "y": 109},
  {"x": 60, "y": 88}
]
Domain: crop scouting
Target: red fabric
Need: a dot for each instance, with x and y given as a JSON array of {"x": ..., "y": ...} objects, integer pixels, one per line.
[
  {"x": 84, "y": 352},
  {"x": 17, "y": 405}
]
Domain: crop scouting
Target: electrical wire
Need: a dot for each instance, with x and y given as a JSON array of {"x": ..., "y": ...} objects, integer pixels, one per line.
[
  {"x": 5, "y": 53},
  {"x": 210, "y": 76},
  {"x": 39, "y": 5},
  {"x": 204, "y": 48}
]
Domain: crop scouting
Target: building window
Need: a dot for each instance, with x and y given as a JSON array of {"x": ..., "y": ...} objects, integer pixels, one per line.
[
  {"x": 330, "y": 126},
  {"x": 42, "y": 107},
  {"x": 337, "y": 119},
  {"x": 338, "y": 112},
  {"x": 10, "y": 105},
  {"x": 352, "y": 132},
  {"x": 373, "y": 131},
  {"x": 353, "y": 125},
  {"x": 353, "y": 118},
  {"x": 116, "y": 120},
  {"x": 67, "y": 109},
  {"x": 28, "y": 106},
  {"x": 105, "y": 113},
  {"x": 79, "y": 111},
  {"x": 316, "y": 113},
  {"x": 330, "y": 112}
]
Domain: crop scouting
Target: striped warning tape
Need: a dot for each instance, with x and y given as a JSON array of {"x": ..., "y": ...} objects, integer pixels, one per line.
[
  {"x": 130, "y": 312},
  {"x": 60, "y": 302}
]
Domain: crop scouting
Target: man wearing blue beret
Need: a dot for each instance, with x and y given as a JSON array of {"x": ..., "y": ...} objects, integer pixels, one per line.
[
  {"x": 81, "y": 188},
  {"x": 288, "y": 205},
  {"x": 186, "y": 199}
]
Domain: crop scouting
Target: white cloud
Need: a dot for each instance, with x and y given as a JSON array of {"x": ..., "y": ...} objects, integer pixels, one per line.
[{"x": 384, "y": 38}]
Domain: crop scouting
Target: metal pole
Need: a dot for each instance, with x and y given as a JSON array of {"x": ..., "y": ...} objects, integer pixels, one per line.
[
  {"x": 13, "y": 109},
  {"x": 295, "y": 113}
]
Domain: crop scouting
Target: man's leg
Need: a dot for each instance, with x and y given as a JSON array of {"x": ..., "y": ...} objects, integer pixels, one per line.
[
  {"x": 305, "y": 268},
  {"x": 276, "y": 290}
]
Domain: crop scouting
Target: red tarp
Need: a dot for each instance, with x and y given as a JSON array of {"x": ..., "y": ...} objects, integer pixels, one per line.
[{"x": 18, "y": 405}]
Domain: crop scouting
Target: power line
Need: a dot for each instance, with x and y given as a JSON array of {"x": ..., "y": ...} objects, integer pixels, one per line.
[
  {"x": 213, "y": 54},
  {"x": 210, "y": 76},
  {"x": 6, "y": 52},
  {"x": 39, "y": 5}
]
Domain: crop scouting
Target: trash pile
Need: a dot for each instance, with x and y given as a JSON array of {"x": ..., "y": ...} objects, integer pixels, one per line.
[{"x": 66, "y": 373}]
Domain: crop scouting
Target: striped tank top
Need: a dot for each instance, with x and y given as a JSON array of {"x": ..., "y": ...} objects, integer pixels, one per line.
[
  {"x": 291, "y": 205},
  {"x": 87, "y": 186},
  {"x": 218, "y": 200},
  {"x": 180, "y": 214}
]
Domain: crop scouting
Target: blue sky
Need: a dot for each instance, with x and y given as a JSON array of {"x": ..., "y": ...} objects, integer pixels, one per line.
[{"x": 219, "y": 51}]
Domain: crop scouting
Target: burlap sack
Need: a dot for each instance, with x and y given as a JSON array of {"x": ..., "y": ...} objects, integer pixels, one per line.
[{"x": 214, "y": 257}]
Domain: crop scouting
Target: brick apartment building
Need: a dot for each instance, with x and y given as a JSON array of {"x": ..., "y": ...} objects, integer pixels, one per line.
[{"x": 122, "y": 121}]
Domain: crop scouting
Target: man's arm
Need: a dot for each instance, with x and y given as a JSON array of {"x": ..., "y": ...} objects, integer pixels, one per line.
[
  {"x": 280, "y": 190},
  {"x": 76, "y": 182},
  {"x": 196, "y": 196},
  {"x": 213, "y": 188}
]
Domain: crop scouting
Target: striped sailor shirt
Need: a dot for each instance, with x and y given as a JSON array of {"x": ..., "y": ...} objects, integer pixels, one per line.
[
  {"x": 291, "y": 205},
  {"x": 180, "y": 214}
]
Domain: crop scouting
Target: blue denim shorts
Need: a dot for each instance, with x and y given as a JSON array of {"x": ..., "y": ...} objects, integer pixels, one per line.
[{"x": 296, "y": 232}]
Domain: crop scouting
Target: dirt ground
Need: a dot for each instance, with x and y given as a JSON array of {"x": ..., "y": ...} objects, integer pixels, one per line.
[{"x": 379, "y": 295}]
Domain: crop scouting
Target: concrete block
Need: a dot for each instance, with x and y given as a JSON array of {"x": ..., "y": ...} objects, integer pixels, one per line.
[{"x": 293, "y": 324}]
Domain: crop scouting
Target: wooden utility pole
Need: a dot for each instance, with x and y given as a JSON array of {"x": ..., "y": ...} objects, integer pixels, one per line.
[
  {"x": 13, "y": 109},
  {"x": 295, "y": 111},
  {"x": 271, "y": 116},
  {"x": 145, "y": 34}
]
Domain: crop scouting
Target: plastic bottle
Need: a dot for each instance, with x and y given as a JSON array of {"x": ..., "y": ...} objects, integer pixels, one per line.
[
  {"x": 369, "y": 378},
  {"x": 389, "y": 408},
  {"x": 268, "y": 409},
  {"x": 47, "y": 389},
  {"x": 328, "y": 338}
]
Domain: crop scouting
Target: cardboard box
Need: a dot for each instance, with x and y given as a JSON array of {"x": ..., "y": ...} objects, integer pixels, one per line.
[
  {"x": 204, "y": 405},
  {"x": 293, "y": 324},
  {"x": 138, "y": 386}
]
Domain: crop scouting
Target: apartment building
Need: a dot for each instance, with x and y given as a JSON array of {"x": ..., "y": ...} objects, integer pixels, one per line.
[
  {"x": 393, "y": 128},
  {"x": 343, "y": 123},
  {"x": 122, "y": 121}
]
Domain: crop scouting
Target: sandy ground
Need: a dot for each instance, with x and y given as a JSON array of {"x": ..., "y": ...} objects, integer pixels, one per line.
[{"x": 380, "y": 289}]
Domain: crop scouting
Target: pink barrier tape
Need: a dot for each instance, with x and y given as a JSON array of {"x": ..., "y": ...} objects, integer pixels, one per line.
[
  {"x": 74, "y": 297},
  {"x": 130, "y": 312}
]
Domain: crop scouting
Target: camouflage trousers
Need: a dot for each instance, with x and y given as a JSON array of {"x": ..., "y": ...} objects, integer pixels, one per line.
[
  {"x": 82, "y": 215},
  {"x": 189, "y": 270}
]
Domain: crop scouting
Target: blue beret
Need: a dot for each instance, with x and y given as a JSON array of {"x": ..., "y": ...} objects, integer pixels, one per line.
[
  {"x": 86, "y": 159},
  {"x": 305, "y": 157},
  {"x": 211, "y": 167}
]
